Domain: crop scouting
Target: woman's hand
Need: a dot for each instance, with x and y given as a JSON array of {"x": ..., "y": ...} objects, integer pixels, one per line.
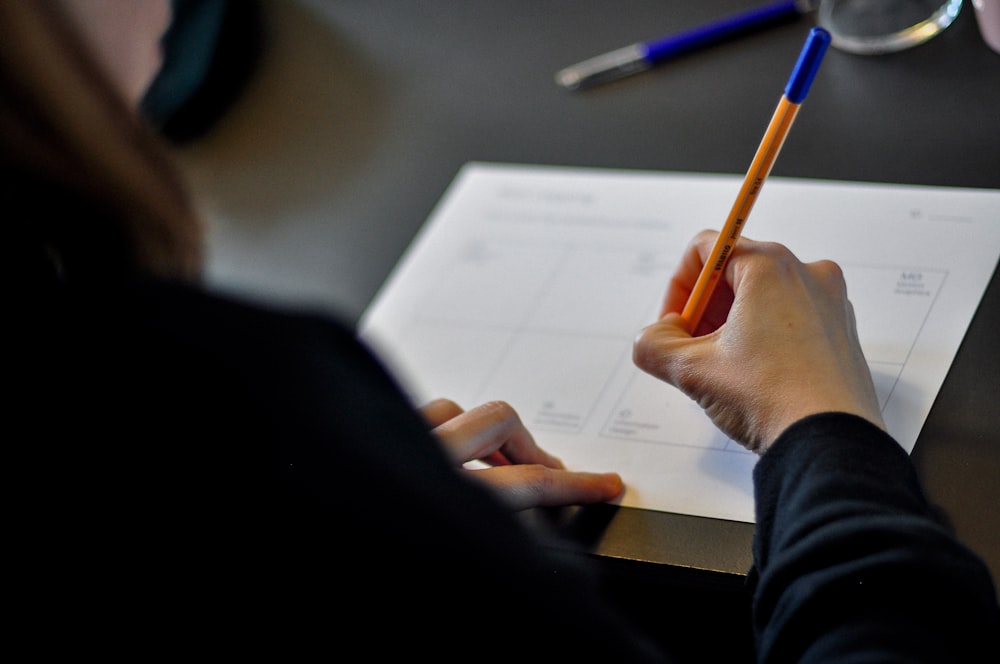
[
  {"x": 777, "y": 342},
  {"x": 520, "y": 472}
]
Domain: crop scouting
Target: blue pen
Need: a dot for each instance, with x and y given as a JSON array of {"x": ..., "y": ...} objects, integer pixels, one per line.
[{"x": 643, "y": 55}]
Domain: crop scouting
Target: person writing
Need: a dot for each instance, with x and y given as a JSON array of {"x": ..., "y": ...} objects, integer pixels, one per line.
[{"x": 191, "y": 474}]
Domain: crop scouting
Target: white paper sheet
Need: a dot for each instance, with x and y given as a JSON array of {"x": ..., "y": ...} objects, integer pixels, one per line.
[{"x": 530, "y": 283}]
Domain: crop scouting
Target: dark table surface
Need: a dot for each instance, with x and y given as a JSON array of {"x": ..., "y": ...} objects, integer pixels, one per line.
[{"x": 362, "y": 112}]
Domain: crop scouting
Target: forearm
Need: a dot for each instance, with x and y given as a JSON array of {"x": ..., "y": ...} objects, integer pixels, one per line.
[{"x": 850, "y": 558}]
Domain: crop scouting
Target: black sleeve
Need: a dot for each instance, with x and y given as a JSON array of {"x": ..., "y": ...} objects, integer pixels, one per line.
[{"x": 850, "y": 562}]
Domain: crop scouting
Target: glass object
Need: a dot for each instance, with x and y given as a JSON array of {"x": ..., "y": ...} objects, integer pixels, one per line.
[{"x": 871, "y": 27}]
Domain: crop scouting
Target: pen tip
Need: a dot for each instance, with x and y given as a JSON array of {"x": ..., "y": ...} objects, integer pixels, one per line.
[{"x": 568, "y": 78}]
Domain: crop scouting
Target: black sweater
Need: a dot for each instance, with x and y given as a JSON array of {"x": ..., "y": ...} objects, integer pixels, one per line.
[{"x": 193, "y": 475}]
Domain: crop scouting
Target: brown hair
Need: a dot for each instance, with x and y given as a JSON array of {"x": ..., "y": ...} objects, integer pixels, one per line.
[{"x": 77, "y": 164}]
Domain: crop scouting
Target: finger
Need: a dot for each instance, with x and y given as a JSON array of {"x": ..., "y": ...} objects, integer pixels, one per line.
[
  {"x": 532, "y": 485},
  {"x": 439, "y": 411},
  {"x": 489, "y": 429},
  {"x": 686, "y": 274}
]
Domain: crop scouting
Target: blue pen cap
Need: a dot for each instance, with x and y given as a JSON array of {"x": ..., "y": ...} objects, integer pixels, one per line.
[{"x": 807, "y": 66}]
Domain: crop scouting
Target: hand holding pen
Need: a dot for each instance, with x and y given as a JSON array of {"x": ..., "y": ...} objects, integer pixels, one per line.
[{"x": 781, "y": 344}]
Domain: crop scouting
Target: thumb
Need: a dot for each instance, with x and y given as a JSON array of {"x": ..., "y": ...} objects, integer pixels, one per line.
[{"x": 661, "y": 346}]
